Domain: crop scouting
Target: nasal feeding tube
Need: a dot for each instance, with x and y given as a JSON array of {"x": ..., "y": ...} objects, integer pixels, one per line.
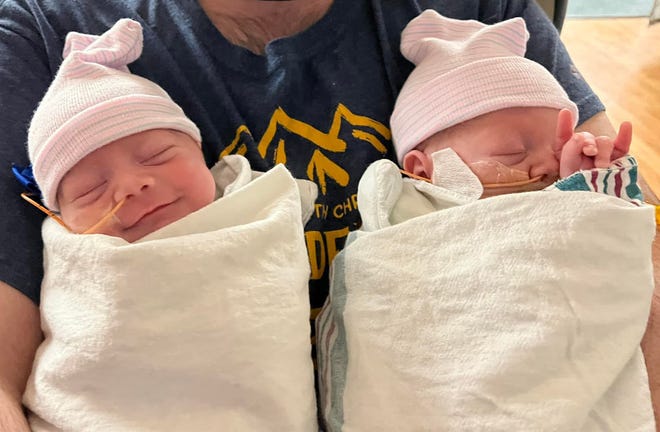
[
  {"x": 494, "y": 174},
  {"x": 488, "y": 173},
  {"x": 112, "y": 214}
]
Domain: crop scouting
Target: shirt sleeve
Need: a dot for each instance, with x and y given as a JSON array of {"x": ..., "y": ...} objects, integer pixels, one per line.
[
  {"x": 545, "y": 47},
  {"x": 25, "y": 73}
]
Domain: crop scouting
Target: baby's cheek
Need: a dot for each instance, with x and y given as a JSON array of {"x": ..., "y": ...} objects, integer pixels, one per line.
[
  {"x": 493, "y": 172},
  {"x": 71, "y": 219},
  {"x": 205, "y": 189},
  {"x": 79, "y": 221}
]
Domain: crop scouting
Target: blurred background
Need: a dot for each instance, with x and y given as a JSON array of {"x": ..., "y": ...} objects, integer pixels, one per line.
[{"x": 615, "y": 44}]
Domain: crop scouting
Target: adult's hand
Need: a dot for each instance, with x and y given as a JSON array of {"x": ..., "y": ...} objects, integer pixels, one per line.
[{"x": 20, "y": 335}]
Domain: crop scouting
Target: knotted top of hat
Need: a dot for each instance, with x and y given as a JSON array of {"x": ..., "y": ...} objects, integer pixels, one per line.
[{"x": 464, "y": 69}]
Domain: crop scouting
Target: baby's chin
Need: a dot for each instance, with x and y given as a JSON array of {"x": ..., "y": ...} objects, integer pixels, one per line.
[
  {"x": 130, "y": 235},
  {"x": 134, "y": 235},
  {"x": 544, "y": 182}
]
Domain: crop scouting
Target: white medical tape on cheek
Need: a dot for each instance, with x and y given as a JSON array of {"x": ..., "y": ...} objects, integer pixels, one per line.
[{"x": 450, "y": 172}]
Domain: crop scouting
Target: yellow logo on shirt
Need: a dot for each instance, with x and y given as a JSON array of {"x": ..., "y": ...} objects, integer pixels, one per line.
[
  {"x": 322, "y": 245},
  {"x": 320, "y": 168}
]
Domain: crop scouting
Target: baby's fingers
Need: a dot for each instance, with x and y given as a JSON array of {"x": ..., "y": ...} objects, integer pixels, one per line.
[
  {"x": 622, "y": 141},
  {"x": 572, "y": 155},
  {"x": 587, "y": 144},
  {"x": 589, "y": 149},
  {"x": 603, "y": 157}
]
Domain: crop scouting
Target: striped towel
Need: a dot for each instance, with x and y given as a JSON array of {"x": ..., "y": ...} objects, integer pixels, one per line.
[{"x": 619, "y": 180}]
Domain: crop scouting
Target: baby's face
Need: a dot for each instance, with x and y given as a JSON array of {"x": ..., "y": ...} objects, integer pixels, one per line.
[
  {"x": 511, "y": 145},
  {"x": 160, "y": 173}
]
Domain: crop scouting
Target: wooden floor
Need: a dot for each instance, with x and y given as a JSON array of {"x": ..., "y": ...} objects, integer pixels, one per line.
[{"x": 620, "y": 58}]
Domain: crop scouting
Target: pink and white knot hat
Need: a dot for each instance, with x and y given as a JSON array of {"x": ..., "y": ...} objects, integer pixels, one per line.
[
  {"x": 464, "y": 69},
  {"x": 93, "y": 101}
]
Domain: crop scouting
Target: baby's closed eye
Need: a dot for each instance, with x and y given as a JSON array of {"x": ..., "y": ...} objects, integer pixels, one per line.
[
  {"x": 510, "y": 158},
  {"x": 159, "y": 156},
  {"x": 89, "y": 192}
]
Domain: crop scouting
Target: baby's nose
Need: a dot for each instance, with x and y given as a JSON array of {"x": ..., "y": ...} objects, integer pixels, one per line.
[{"x": 132, "y": 184}]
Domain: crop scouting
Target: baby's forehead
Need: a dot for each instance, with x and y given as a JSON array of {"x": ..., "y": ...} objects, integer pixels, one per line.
[
  {"x": 448, "y": 138},
  {"x": 133, "y": 144},
  {"x": 144, "y": 140},
  {"x": 499, "y": 126}
]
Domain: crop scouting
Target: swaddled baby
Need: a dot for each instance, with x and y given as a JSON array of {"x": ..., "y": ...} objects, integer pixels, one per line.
[
  {"x": 174, "y": 297},
  {"x": 517, "y": 312},
  {"x": 512, "y": 131}
]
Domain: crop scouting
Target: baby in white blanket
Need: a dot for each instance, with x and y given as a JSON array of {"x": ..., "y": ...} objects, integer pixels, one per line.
[
  {"x": 513, "y": 129},
  {"x": 516, "y": 312},
  {"x": 184, "y": 306}
]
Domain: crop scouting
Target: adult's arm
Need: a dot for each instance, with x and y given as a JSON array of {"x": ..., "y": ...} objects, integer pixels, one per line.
[
  {"x": 25, "y": 72},
  {"x": 651, "y": 340},
  {"x": 20, "y": 334},
  {"x": 599, "y": 124}
]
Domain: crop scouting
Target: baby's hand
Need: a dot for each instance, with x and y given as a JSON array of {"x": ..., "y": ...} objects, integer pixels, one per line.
[{"x": 583, "y": 150}]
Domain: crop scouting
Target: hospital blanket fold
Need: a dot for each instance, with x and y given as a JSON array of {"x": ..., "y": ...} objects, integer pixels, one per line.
[
  {"x": 518, "y": 312},
  {"x": 202, "y": 325}
]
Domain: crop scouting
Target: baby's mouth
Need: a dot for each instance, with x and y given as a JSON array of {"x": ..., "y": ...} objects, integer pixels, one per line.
[{"x": 146, "y": 215}]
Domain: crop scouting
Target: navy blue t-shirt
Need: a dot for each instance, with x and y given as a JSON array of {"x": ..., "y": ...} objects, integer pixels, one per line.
[{"x": 318, "y": 102}]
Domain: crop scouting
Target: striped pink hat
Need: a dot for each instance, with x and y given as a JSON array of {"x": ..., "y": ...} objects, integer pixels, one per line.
[
  {"x": 93, "y": 101},
  {"x": 465, "y": 69}
]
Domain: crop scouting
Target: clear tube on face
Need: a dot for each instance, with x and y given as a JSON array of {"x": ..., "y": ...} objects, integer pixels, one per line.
[
  {"x": 110, "y": 217},
  {"x": 494, "y": 174}
]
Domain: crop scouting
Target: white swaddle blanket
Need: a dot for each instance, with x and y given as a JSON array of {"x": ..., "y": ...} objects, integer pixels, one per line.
[
  {"x": 516, "y": 313},
  {"x": 200, "y": 326}
]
